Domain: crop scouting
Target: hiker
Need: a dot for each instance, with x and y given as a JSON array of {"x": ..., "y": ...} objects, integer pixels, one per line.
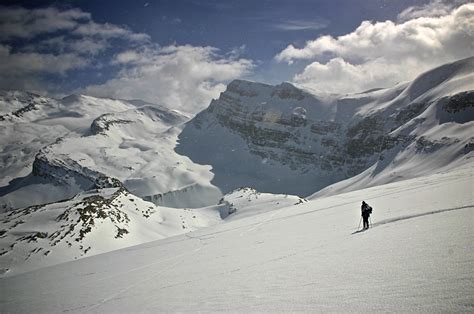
[{"x": 366, "y": 211}]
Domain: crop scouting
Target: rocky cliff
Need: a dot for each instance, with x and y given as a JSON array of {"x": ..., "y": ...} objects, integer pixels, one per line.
[{"x": 282, "y": 139}]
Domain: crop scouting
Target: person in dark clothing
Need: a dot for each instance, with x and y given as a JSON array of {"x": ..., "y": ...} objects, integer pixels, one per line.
[{"x": 366, "y": 211}]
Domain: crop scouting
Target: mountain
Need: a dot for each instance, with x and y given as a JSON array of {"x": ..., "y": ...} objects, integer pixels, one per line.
[
  {"x": 80, "y": 143},
  {"x": 76, "y": 174},
  {"x": 90, "y": 223},
  {"x": 416, "y": 257},
  {"x": 282, "y": 139},
  {"x": 82, "y": 176}
]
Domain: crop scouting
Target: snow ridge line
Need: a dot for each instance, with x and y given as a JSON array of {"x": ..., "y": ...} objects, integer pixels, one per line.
[{"x": 387, "y": 221}]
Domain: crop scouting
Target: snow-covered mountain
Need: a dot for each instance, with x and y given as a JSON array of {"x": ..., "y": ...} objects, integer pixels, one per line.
[
  {"x": 417, "y": 257},
  {"x": 282, "y": 139},
  {"x": 90, "y": 223},
  {"x": 69, "y": 166},
  {"x": 77, "y": 172},
  {"x": 79, "y": 142}
]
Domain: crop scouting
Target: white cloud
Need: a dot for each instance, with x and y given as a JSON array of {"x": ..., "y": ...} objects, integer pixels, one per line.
[
  {"x": 383, "y": 53},
  {"x": 180, "y": 77},
  {"x": 431, "y": 9},
  {"x": 107, "y": 30},
  {"x": 298, "y": 25},
  {"x": 59, "y": 41},
  {"x": 339, "y": 76}
]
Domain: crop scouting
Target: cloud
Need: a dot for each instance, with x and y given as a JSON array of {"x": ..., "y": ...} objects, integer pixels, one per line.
[
  {"x": 431, "y": 9},
  {"x": 298, "y": 25},
  {"x": 16, "y": 64},
  {"x": 180, "y": 77},
  {"x": 27, "y": 70},
  {"x": 18, "y": 22},
  {"x": 64, "y": 44},
  {"x": 171, "y": 20},
  {"x": 108, "y": 31},
  {"x": 383, "y": 53},
  {"x": 41, "y": 46},
  {"x": 339, "y": 76},
  {"x": 47, "y": 43}
]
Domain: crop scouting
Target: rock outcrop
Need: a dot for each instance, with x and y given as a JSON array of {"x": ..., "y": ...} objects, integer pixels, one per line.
[{"x": 299, "y": 142}]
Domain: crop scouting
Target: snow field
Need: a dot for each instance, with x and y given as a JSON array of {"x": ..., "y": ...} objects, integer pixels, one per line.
[{"x": 417, "y": 257}]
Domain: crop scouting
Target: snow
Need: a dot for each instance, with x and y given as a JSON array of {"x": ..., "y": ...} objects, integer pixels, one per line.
[
  {"x": 281, "y": 139},
  {"x": 89, "y": 224},
  {"x": 130, "y": 143},
  {"x": 418, "y": 256},
  {"x": 160, "y": 236}
]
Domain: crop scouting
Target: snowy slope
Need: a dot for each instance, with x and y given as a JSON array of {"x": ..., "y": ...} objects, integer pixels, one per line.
[
  {"x": 244, "y": 202},
  {"x": 417, "y": 257},
  {"x": 277, "y": 139},
  {"x": 61, "y": 161},
  {"x": 91, "y": 223},
  {"x": 70, "y": 145},
  {"x": 103, "y": 220},
  {"x": 281, "y": 139},
  {"x": 28, "y": 123},
  {"x": 440, "y": 137}
]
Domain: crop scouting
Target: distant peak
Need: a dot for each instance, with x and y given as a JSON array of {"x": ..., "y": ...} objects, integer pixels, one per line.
[
  {"x": 286, "y": 85},
  {"x": 244, "y": 83}
]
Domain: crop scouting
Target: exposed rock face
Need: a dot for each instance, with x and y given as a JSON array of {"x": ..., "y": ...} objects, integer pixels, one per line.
[
  {"x": 283, "y": 133},
  {"x": 63, "y": 170}
]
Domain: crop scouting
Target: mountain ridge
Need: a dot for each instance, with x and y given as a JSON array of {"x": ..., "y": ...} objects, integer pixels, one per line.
[
  {"x": 297, "y": 131},
  {"x": 256, "y": 148}
]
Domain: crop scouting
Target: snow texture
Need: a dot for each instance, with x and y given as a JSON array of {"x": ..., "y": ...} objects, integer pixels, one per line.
[
  {"x": 416, "y": 257},
  {"x": 164, "y": 213}
]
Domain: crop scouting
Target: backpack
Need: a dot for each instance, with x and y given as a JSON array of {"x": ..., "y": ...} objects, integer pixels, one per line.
[{"x": 367, "y": 210}]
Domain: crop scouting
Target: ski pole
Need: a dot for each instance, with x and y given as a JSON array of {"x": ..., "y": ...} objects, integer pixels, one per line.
[
  {"x": 370, "y": 219},
  {"x": 359, "y": 223}
]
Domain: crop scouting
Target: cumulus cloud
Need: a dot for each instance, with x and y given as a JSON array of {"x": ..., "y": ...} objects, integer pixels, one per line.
[
  {"x": 180, "y": 77},
  {"x": 53, "y": 43},
  {"x": 379, "y": 54}
]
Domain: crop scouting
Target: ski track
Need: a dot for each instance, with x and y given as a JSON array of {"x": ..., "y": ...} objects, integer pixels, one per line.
[
  {"x": 88, "y": 283},
  {"x": 433, "y": 212},
  {"x": 271, "y": 219},
  {"x": 243, "y": 270},
  {"x": 177, "y": 259},
  {"x": 155, "y": 275},
  {"x": 248, "y": 267},
  {"x": 406, "y": 217},
  {"x": 252, "y": 226}
]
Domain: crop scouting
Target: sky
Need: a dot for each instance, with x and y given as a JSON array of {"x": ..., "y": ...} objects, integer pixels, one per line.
[{"x": 182, "y": 53}]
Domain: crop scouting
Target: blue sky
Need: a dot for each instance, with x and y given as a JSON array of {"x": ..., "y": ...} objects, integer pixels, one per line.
[{"x": 182, "y": 53}]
